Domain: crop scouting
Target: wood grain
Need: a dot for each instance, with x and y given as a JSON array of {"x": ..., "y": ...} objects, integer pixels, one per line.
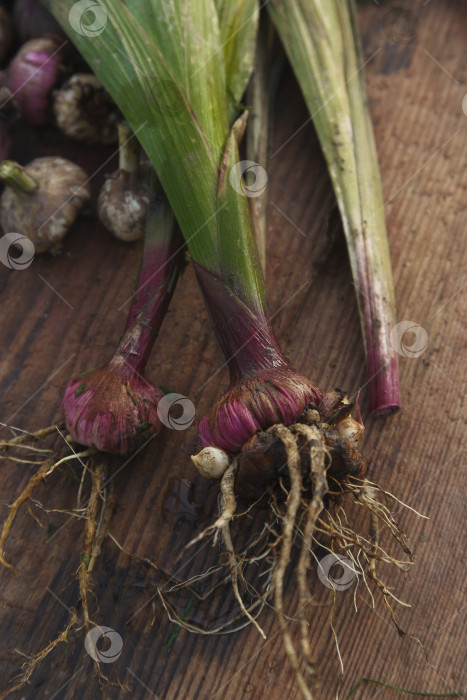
[{"x": 416, "y": 88}]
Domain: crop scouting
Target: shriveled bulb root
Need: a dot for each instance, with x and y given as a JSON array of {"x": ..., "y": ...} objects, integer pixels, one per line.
[
  {"x": 366, "y": 494},
  {"x": 235, "y": 572},
  {"x": 318, "y": 474},
  {"x": 48, "y": 462},
  {"x": 288, "y": 528},
  {"x": 97, "y": 518},
  {"x": 236, "y": 622},
  {"x": 229, "y": 504},
  {"x": 243, "y": 558},
  {"x": 33, "y": 661},
  {"x": 27, "y": 437},
  {"x": 222, "y": 526},
  {"x": 319, "y": 456},
  {"x": 96, "y": 515}
]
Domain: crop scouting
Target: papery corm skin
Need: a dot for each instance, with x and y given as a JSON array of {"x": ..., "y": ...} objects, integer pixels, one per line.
[
  {"x": 112, "y": 409},
  {"x": 273, "y": 396}
]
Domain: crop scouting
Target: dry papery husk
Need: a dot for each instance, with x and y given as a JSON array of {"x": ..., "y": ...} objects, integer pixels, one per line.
[{"x": 309, "y": 506}]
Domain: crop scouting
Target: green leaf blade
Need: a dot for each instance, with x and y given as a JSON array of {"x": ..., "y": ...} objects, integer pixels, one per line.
[{"x": 238, "y": 22}]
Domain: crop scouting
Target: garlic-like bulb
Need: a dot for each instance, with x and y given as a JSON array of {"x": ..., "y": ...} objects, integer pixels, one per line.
[
  {"x": 211, "y": 462},
  {"x": 112, "y": 408},
  {"x": 124, "y": 197},
  {"x": 123, "y": 206},
  {"x": 31, "y": 75},
  {"x": 85, "y": 111},
  {"x": 42, "y": 199}
]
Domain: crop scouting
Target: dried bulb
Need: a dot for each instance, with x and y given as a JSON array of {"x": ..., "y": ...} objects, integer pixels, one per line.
[
  {"x": 85, "y": 111},
  {"x": 42, "y": 199}
]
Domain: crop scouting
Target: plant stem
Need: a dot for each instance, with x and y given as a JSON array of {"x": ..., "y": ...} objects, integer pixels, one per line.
[
  {"x": 161, "y": 262},
  {"x": 374, "y": 274},
  {"x": 128, "y": 149},
  {"x": 13, "y": 175},
  {"x": 321, "y": 40},
  {"x": 245, "y": 336}
]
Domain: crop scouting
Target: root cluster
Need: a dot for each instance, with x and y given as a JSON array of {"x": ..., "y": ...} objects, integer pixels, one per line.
[
  {"x": 307, "y": 508},
  {"x": 29, "y": 448}
]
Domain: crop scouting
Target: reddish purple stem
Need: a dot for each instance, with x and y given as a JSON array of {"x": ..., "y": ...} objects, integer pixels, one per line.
[
  {"x": 382, "y": 366},
  {"x": 154, "y": 289},
  {"x": 246, "y": 338}
]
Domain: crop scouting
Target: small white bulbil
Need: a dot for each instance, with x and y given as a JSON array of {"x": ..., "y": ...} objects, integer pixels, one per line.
[
  {"x": 351, "y": 430},
  {"x": 211, "y": 462}
]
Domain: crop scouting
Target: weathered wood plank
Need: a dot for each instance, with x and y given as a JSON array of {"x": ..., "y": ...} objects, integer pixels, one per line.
[{"x": 416, "y": 90}]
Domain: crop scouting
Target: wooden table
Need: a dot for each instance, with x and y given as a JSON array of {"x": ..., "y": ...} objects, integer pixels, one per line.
[{"x": 64, "y": 315}]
